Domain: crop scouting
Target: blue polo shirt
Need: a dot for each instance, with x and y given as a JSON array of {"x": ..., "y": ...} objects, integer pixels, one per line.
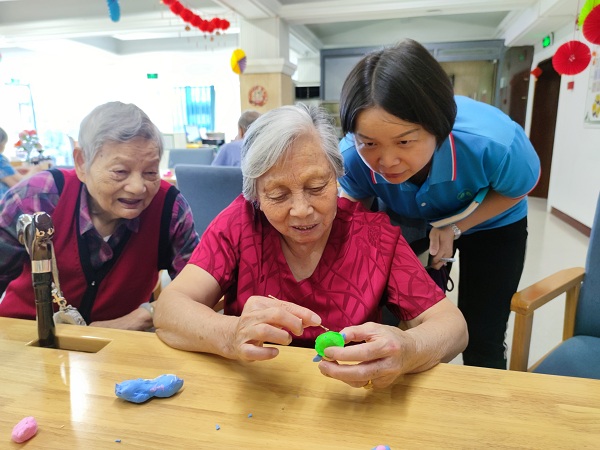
[{"x": 485, "y": 149}]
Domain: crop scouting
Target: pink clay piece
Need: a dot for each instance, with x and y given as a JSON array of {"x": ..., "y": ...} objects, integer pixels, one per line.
[{"x": 24, "y": 430}]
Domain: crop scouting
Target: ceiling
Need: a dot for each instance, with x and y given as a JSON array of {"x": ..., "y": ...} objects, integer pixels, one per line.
[{"x": 148, "y": 25}]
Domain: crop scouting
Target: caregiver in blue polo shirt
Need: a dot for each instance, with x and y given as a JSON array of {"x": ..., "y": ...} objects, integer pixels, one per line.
[{"x": 426, "y": 154}]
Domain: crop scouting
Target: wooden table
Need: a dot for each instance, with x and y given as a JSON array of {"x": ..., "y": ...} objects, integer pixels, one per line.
[{"x": 71, "y": 395}]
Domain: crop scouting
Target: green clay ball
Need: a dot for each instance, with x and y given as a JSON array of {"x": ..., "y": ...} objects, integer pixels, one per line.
[{"x": 328, "y": 339}]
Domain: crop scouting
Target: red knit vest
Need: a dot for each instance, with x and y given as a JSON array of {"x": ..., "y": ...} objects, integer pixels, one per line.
[{"x": 129, "y": 282}]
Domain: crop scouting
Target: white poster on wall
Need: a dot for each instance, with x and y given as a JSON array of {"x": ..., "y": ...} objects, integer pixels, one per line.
[{"x": 592, "y": 104}]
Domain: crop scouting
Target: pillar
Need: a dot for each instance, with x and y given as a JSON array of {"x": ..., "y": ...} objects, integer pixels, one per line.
[{"x": 266, "y": 83}]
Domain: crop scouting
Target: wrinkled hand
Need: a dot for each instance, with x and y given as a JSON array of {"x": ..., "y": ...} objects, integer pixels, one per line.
[
  {"x": 382, "y": 358},
  {"x": 441, "y": 245},
  {"x": 268, "y": 320}
]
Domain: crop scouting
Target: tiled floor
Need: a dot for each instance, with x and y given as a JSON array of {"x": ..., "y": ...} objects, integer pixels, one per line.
[{"x": 552, "y": 245}]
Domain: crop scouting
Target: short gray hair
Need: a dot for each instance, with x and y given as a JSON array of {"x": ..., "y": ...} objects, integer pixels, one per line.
[
  {"x": 3, "y": 136},
  {"x": 116, "y": 122},
  {"x": 247, "y": 118},
  {"x": 274, "y": 132}
]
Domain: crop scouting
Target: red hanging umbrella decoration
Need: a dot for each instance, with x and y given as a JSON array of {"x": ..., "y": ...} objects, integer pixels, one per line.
[
  {"x": 591, "y": 26},
  {"x": 571, "y": 58},
  {"x": 585, "y": 10}
]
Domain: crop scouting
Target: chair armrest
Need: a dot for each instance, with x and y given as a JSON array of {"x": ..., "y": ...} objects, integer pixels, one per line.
[{"x": 525, "y": 302}]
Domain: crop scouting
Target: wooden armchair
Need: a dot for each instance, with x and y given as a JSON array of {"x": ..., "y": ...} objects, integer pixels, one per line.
[{"x": 578, "y": 354}]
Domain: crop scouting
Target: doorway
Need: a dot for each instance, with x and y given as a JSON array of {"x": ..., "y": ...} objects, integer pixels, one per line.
[
  {"x": 543, "y": 122},
  {"x": 519, "y": 88}
]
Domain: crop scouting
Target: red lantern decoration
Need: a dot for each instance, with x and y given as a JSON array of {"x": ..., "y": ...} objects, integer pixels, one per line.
[
  {"x": 188, "y": 16},
  {"x": 196, "y": 21},
  {"x": 176, "y": 7},
  {"x": 571, "y": 58},
  {"x": 591, "y": 26}
]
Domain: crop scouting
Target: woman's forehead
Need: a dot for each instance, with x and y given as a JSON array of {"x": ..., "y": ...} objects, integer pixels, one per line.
[{"x": 305, "y": 159}]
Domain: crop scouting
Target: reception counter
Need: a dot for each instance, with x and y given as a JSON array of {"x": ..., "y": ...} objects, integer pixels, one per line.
[{"x": 284, "y": 403}]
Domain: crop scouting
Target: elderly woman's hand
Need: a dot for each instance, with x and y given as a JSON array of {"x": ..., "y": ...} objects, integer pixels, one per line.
[
  {"x": 268, "y": 320},
  {"x": 385, "y": 353}
]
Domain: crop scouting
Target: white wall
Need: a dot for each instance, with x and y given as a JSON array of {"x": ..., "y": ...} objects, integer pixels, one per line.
[
  {"x": 66, "y": 88},
  {"x": 67, "y": 83},
  {"x": 575, "y": 176}
]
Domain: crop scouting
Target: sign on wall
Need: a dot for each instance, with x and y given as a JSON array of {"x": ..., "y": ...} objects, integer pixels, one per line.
[{"x": 592, "y": 104}]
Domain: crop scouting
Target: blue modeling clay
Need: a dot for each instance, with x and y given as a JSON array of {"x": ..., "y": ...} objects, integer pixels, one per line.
[{"x": 140, "y": 390}]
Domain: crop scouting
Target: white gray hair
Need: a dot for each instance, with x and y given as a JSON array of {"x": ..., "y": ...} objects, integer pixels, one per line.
[
  {"x": 273, "y": 133},
  {"x": 115, "y": 122}
]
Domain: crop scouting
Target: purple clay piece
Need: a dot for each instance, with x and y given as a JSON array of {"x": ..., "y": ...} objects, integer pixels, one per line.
[
  {"x": 382, "y": 447},
  {"x": 142, "y": 389},
  {"x": 24, "y": 430},
  {"x": 317, "y": 358}
]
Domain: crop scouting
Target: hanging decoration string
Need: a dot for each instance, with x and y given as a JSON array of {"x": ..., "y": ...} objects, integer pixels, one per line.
[{"x": 188, "y": 16}]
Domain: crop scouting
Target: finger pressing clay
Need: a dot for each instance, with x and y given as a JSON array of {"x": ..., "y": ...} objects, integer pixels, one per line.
[
  {"x": 328, "y": 339},
  {"x": 24, "y": 430},
  {"x": 142, "y": 389}
]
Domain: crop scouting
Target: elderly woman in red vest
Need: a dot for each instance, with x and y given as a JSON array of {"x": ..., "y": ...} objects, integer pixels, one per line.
[{"x": 116, "y": 223}]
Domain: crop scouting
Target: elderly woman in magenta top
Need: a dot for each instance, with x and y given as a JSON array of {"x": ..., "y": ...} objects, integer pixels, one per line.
[
  {"x": 325, "y": 260},
  {"x": 116, "y": 223}
]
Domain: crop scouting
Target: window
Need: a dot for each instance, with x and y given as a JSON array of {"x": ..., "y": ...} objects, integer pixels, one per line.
[{"x": 195, "y": 105}]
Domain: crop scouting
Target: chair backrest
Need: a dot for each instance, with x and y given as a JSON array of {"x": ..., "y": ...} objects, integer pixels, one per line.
[
  {"x": 203, "y": 155},
  {"x": 587, "y": 321},
  {"x": 208, "y": 190}
]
